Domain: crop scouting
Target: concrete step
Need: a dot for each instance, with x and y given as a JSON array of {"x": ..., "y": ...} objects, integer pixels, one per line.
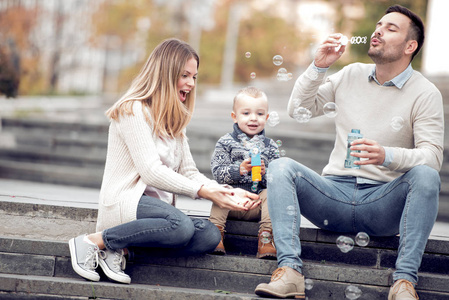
[
  {"x": 47, "y": 264},
  {"x": 44, "y": 287}
]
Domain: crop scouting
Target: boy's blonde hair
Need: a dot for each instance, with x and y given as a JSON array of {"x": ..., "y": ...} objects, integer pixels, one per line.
[
  {"x": 249, "y": 91},
  {"x": 156, "y": 87}
]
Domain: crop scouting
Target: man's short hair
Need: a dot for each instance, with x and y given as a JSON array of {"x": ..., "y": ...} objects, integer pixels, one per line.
[{"x": 416, "y": 31}]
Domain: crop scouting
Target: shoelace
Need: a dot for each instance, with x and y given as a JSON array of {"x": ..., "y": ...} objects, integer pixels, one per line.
[
  {"x": 277, "y": 273},
  {"x": 91, "y": 261},
  {"x": 408, "y": 287},
  {"x": 119, "y": 263}
]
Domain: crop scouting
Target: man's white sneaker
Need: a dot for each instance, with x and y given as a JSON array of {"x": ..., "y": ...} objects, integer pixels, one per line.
[
  {"x": 84, "y": 257},
  {"x": 113, "y": 263}
]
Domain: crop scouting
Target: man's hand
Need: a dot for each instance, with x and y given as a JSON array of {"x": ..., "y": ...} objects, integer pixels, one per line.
[
  {"x": 373, "y": 153},
  {"x": 326, "y": 55}
]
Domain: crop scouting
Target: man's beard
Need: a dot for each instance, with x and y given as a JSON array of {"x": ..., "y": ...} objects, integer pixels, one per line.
[{"x": 379, "y": 57}]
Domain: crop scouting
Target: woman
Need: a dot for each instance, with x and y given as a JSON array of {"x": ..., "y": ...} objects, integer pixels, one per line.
[{"x": 148, "y": 162}]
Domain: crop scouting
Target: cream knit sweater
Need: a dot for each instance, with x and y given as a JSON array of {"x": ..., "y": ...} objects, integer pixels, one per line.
[
  {"x": 133, "y": 163},
  {"x": 365, "y": 105}
]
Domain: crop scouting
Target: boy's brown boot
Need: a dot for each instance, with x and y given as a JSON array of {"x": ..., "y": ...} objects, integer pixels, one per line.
[
  {"x": 266, "y": 248},
  {"x": 285, "y": 282},
  {"x": 402, "y": 290},
  {"x": 220, "y": 249}
]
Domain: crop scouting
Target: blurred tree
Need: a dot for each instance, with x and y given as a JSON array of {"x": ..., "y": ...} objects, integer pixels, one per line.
[
  {"x": 9, "y": 70},
  {"x": 19, "y": 55}
]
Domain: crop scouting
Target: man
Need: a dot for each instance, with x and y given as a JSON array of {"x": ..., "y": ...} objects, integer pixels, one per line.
[{"x": 396, "y": 188}]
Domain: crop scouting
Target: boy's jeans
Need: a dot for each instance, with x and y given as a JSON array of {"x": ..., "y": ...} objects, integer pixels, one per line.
[
  {"x": 407, "y": 205},
  {"x": 165, "y": 228}
]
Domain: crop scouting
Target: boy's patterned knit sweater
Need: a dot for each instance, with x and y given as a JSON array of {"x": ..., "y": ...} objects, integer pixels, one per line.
[{"x": 231, "y": 149}]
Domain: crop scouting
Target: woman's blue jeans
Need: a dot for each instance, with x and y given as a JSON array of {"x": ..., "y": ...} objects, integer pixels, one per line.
[
  {"x": 165, "y": 228},
  {"x": 407, "y": 205}
]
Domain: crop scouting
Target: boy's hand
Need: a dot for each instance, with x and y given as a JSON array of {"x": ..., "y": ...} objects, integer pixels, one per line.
[
  {"x": 262, "y": 168},
  {"x": 245, "y": 167}
]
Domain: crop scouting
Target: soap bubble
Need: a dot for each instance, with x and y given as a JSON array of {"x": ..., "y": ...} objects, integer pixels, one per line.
[
  {"x": 296, "y": 102},
  {"x": 278, "y": 60},
  {"x": 362, "y": 239},
  {"x": 248, "y": 54},
  {"x": 273, "y": 119},
  {"x": 345, "y": 244},
  {"x": 282, "y": 152},
  {"x": 325, "y": 222},
  {"x": 352, "y": 292},
  {"x": 330, "y": 109},
  {"x": 397, "y": 123},
  {"x": 243, "y": 171},
  {"x": 308, "y": 284},
  {"x": 302, "y": 115},
  {"x": 344, "y": 40},
  {"x": 265, "y": 237},
  {"x": 282, "y": 75},
  {"x": 253, "y": 75},
  {"x": 254, "y": 187},
  {"x": 276, "y": 152},
  {"x": 279, "y": 143}
]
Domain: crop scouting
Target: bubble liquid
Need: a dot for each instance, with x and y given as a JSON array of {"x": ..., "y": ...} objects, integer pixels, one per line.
[{"x": 349, "y": 161}]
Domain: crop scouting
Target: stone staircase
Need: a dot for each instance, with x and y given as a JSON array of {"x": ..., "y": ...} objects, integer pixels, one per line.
[{"x": 36, "y": 264}]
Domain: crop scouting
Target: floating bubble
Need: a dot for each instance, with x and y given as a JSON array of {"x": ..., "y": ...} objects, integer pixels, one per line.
[
  {"x": 326, "y": 222},
  {"x": 302, "y": 114},
  {"x": 308, "y": 284},
  {"x": 279, "y": 143},
  {"x": 276, "y": 152},
  {"x": 243, "y": 171},
  {"x": 344, "y": 40},
  {"x": 265, "y": 237},
  {"x": 248, "y": 54},
  {"x": 296, "y": 102},
  {"x": 282, "y": 75},
  {"x": 253, "y": 75},
  {"x": 345, "y": 244},
  {"x": 278, "y": 60},
  {"x": 282, "y": 152},
  {"x": 254, "y": 187},
  {"x": 397, "y": 123},
  {"x": 273, "y": 119},
  {"x": 362, "y": 239},
  {"x": 330, "y": 109},
  {"x": 290, "y": 210},
  {"x": 352, "y": 292},
  {"x": 358, "y": 40}
]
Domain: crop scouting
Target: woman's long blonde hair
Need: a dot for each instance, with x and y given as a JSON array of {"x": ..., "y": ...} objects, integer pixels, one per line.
[{"x": 156, "y": 87}]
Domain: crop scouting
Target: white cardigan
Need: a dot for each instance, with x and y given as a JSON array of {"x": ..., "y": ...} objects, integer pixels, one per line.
[{"x": 137, "y": 162}]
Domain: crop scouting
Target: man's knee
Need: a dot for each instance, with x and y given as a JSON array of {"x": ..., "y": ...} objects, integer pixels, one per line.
[{"x": 425, "y": 176}]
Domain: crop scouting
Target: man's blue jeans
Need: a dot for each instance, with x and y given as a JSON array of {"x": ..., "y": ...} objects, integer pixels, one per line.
[
  {"x": 407, "y": 205},
  {"x": 165, "y": 228}
]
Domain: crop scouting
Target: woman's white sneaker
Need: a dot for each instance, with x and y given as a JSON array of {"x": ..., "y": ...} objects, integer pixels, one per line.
[
  {"x": 84, "y": 257},
  {"x": 113, "y": 263}
]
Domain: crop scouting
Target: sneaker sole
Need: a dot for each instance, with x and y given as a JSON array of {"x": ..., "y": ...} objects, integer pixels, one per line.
[
  {"x": 93, "y": 276},
  {"x": 111, "y": 274},
  {"x": 266, "y": 293}
]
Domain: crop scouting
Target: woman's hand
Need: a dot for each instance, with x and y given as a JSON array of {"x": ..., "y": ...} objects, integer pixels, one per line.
[
  {"x": 252, "y": 199},
  {"x": 225, "y": 198}
]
